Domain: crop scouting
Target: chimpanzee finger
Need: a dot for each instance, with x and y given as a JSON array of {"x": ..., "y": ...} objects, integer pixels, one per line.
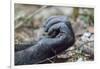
[
  {"x": 57, "y": 28},
  {"x": 54, "y": 20}
]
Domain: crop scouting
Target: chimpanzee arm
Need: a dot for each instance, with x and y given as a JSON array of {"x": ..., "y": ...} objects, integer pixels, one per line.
[
  {"x": 45, "y": 47},
  {"x": 19, "y": 47}
]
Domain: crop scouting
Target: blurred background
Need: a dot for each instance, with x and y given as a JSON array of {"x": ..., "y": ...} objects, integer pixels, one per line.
[{"x": 29, "y": 19}]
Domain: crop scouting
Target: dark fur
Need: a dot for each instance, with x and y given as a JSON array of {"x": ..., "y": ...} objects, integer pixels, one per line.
[{"x": 48, "y": 46}]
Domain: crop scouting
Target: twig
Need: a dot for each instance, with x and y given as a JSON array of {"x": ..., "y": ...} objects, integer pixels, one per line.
[
  {"x": 50, "y": 60},
  {"x": 87, "y": 49},
  {"x": 45, "y": 60},
  {"x": 28, "y": 19}
]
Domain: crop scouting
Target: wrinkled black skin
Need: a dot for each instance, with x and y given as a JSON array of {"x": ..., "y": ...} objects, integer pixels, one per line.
[{"x": 48, "y": 45}]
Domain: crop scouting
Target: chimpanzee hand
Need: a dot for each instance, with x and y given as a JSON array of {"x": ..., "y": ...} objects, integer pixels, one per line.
[
  {"x": 60, "y": 33},
  {"x": 60, "y": 37},
  {"x": 58, "y": 19}
]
